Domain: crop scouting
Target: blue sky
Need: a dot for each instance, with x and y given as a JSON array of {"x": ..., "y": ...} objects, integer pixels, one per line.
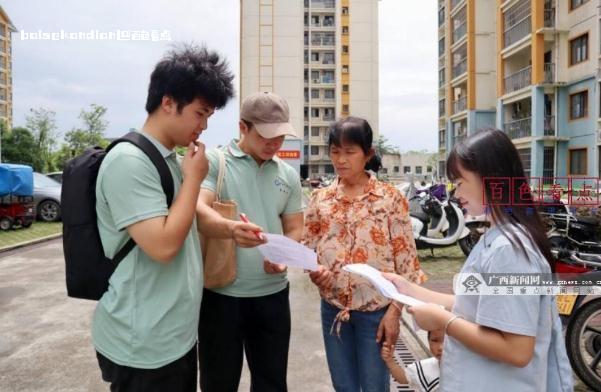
[{"x": 68, "y": 75}]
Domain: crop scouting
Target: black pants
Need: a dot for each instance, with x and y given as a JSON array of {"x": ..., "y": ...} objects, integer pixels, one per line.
[
  {"x": 260, "y": 326},
  {"x": 179, "y": 375}
]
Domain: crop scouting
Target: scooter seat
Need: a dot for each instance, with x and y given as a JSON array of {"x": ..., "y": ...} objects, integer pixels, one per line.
[{"x": 589, "y": 220}]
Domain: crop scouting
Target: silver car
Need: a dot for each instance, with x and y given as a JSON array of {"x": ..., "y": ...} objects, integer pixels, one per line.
[{"x": 46, "y": 198}]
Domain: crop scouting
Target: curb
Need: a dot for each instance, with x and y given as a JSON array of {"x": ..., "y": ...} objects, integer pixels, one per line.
[{"x": 28, "y": 243}]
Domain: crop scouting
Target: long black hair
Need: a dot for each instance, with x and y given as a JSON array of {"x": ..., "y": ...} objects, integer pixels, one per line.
[
  {"x": 355, "y": 130},
  {"x": 492, "y": 155}
]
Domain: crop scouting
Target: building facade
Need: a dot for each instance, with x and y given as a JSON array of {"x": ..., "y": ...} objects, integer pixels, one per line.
[
  {"x": 6, "y": 78},
  {"x": 322, "y": 56},
  {"x": 546, "y": 92}
]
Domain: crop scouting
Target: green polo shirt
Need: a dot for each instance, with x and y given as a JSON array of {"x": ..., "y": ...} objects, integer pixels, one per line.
[
  {"x": 149, "y": 315},
  {"x": 264, "y": 193}
]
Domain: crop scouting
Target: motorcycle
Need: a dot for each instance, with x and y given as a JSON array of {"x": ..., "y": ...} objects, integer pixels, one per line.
[
  {"x": 581, "y": 316},
  {"x": 437, "y": 220}
]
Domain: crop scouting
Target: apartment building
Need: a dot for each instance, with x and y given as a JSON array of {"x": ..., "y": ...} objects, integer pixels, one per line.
[
  {"x": 546, "y": 90},
  {"x": 6, "y": 78},
  {"x": 322, "y": 56}
]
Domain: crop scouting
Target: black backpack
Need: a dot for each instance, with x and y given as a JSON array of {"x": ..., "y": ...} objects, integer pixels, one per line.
[{"x": 87, "y": 269}]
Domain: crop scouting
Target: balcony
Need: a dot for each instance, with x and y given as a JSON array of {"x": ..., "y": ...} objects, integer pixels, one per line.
[
  {"x": 321, "y": 41},
  {"x": 549, "y": 126},
  {"x": 460, "y": 105},
  {"x": 549, "y": 18},
  {"x": 518, "y": 31},
  {"x": 518, "y": 80},
  {"x": 460, "y": 68},
  {"x": 459, "y": 32},
  {"x": 459, "y": 138},
  {"x": 322, "y": 4},
  {"x": 455, "y": 3},
  {"x": 517, "y": 129}
]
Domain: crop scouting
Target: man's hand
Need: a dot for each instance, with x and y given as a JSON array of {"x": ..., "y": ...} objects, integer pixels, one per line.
[
  {"x": 245, "y": 234},
  {"x": 273, "y": 268},
  {"x": 322, "y": 278},
  {"x": 195, "y": 165}
]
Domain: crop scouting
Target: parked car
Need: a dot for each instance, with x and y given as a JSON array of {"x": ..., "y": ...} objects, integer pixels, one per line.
[
  {"x": 56, "y": 176},
  {"x": 47, "y": 198}
]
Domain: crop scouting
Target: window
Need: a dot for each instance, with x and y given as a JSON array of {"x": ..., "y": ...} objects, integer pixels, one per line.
[
  {"x": 314, "y": 112},
  {"x": 306, "y": 150},
  {"x": 345, "y": 88},
  {"x": 345, "y": 49},
  {"x": 429, "y": 169},
  {"x": 328, "y": 21},
  {"x": 315, "y": 20},
  {"x": 579, "y": 49},
  {"x": 345, "y": 69},
  {"x": 395, "y": 169},
  {"x": 576, "y": 3},
  {"x": 384, "y": 170},
  {"x": 344, "y": 10},
  {"x": 306, "y": 131},
  {"x": 314, "y": 56},
  {"x": 418, "y": 170},
  {"x": 345, "y": 108},
  {"x": 314, "y": 169},
  {"x": 315, "y": 76},
  {"x": 329, "y": 94},
  {"x": 329, "y": 169},
  {"x": 328, "y": 58},
  {"x": 579, "y": 105},
  {"x": 314, "y": 93},
  {"x": 578, "y": 158},
  {"x": 345, "y": 30},
  {"x": 406, "y": 169},
  {"x": 526, "y": 158},
  {"x": 314, "y": 131},
  {"x": 314, "y": 150}
]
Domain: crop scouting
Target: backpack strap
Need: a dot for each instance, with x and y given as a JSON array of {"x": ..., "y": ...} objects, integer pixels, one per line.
[{"x": 157, "y": 159}]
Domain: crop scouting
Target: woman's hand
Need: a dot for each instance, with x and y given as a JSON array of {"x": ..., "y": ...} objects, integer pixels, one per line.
[
  {"x": 323, "y": 278},
  {"x": 430, "y": 316},
  {"x": 273, "y": 268},
  {"x": 402, "y": 285},
  {"x": 388, "y": 330}
]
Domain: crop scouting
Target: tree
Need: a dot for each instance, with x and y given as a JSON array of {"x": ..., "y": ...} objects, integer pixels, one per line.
[
  {"x": 42, "y": 125},
  {"x": 19, "y": 146},
  {"x": 383, "y": 146},
  {"x": 89, "y": 135}
]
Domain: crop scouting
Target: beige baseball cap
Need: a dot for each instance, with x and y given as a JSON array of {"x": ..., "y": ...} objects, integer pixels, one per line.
[{"x": 269, "y": 113}]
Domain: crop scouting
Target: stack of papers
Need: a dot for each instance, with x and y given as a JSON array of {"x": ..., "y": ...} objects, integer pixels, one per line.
[
  {"x": 385, "y": 286},
  {"x": 283, "y": 250}
]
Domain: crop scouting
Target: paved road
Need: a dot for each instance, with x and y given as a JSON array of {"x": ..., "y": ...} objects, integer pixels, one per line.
[{"x": 45, "y": 336}]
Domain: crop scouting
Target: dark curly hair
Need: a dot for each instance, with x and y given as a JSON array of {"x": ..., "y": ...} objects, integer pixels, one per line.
[{"x": 188, "y": 72}]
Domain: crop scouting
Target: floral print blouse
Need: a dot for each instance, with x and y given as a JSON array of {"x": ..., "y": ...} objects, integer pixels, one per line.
[{"x": 374, "y": 228}]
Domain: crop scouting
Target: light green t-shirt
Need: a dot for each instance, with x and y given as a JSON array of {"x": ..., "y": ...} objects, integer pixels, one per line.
[
  {"x": 149, "y": 315},
  {"x": 264, "y": 193}
]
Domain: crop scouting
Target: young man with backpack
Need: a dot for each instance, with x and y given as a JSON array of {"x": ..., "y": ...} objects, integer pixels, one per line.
[
  {"x": 145, "y": 326},
  {"x": 252, "y": 314}
]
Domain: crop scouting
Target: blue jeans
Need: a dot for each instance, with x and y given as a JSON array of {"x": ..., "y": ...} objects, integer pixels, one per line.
[{"x": 354, "y": 356}]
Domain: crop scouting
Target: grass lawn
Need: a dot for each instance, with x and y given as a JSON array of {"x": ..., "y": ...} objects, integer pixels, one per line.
[
  {"x": 37, "y": 230},
  {"x": 444, "y": 264}
]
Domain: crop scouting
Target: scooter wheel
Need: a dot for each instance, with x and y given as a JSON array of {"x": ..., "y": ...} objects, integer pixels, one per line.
[{"x": 584, "y": 329}]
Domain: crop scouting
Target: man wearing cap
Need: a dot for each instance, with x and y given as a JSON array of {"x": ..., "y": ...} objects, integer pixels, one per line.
[{"x": 252, "y": 313}]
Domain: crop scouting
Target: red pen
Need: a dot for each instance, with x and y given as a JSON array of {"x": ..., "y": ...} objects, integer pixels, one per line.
[{"x": 245, "y": 220}]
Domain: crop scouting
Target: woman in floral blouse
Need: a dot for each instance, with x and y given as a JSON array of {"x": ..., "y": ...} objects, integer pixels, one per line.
[{"x": 358, "y": 219}]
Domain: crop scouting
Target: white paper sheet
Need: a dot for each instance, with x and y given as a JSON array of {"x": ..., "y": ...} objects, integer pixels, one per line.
[
  {"x": 385, "y": 286},
  {"x": 283, "y": 250}
]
